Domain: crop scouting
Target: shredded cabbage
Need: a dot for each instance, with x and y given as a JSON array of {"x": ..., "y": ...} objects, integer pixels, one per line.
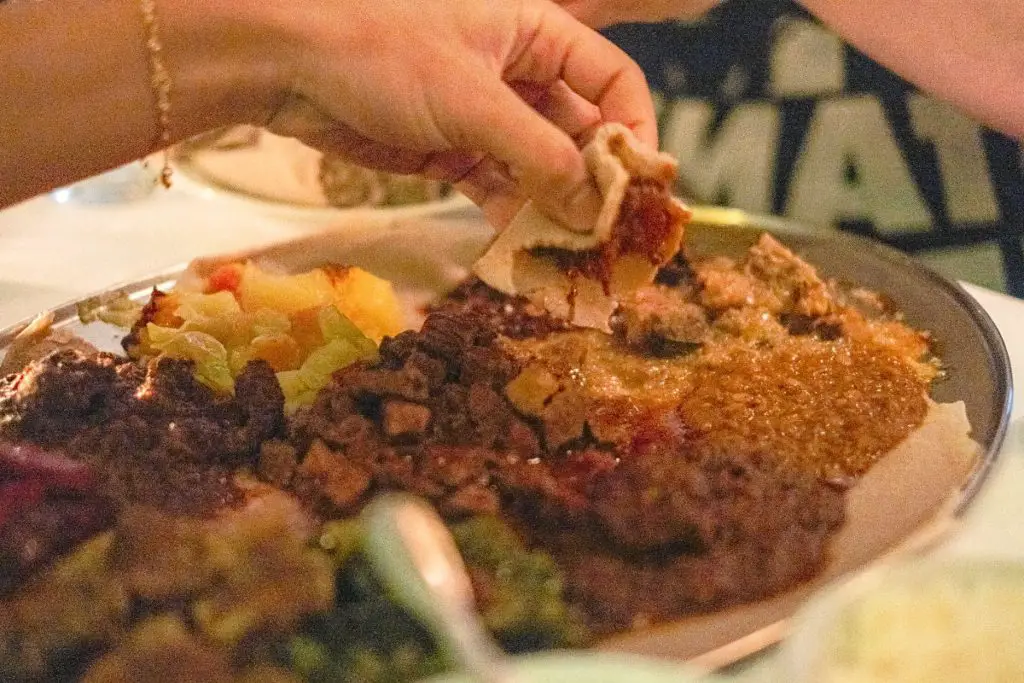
[
  {"x": 266, "y": 322},
  {"x": 193, "y": 306},
  {"x": 334, "y": 325},
  {"x": 345, "y": 345},
  {"x": 217, "y": 315},
  {"x": 323, "y": 362},
  {"x": 119, "y": 310},
  {"x": 293, "y": 322},
  {"x": 237, "y": 358},
  {"x": 301, "y": 386},
  {"x": 209, "y": 355}
]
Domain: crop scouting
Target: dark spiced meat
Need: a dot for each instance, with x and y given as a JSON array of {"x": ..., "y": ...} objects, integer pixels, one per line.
[
  {"x": 153, "y": 433},
  {"x": 658, "y": 499},
  {"x": 693, "y": 531},
  {"x": 514, "y": 317},
  {"x": 431, "y": 417},
  {"x": 672, "y": 525}
]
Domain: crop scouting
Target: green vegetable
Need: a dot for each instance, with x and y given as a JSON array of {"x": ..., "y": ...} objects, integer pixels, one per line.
[
  {"x": 323, "y": 362},
  {"x": 335, "y": 325},
  {"x": 160, "y": 648},
  {"x": 80, "y": 603},
  {"x": 525, "y": 607},
  {"x": 238, "y": 358},
  {"x": 119, "y": 310},
  {"x": 367, "y": 638},
  {"x": 256, "y": 595},
  {"x": 342, "y": 539},
  {"x": 311, "y": 660},
  {"x": 345, "y": 345},
  {"x": 267, "y": 321},
  {"x": 209, "y": 355},
  {"x": 199, "y": 307},
  {"x": 270, "y": 580}
]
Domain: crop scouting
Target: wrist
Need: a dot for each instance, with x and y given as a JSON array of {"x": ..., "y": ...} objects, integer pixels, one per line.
[{"x": 226, "y": 62}]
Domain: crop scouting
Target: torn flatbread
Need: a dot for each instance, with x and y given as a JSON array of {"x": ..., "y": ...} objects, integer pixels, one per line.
[{"x": 580, "y": 276}]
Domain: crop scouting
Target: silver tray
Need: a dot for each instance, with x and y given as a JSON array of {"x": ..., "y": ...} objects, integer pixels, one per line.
[{"x": 424, "y": 258}]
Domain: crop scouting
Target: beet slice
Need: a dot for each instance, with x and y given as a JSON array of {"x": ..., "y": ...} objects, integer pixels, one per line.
[
  {"x": 56, "y": 471},
  {"x": 18, "y": 495}
]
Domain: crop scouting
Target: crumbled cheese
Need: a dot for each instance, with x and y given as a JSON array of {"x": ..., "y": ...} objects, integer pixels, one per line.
[{"x": 957, "y": 627}]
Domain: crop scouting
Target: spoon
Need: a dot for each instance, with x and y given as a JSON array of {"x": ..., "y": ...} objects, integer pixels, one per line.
[{"x": 416, "y": 558}]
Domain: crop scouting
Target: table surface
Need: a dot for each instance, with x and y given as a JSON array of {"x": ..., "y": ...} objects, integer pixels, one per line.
[{"x": 52, "y": 252}]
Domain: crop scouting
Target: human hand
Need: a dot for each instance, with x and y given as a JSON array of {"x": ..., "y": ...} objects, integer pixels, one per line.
[
  {"x": 601, "y": 13},
  {"x": 495, "y": 95}
]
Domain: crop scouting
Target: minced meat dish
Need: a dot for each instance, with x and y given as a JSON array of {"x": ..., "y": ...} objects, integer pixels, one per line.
[
  {"x": 665, "y": 504},
  {"x": 153, "y": 433},
  {"x": 694, "y": 459}
]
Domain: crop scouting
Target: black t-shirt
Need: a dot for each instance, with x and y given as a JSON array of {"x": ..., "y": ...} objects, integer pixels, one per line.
[{"x": 770, "y": 112}]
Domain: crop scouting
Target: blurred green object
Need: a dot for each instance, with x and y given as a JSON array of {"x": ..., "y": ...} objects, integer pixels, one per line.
[
  {"x": 368, "y": 638},
  {"x": 525, "y": 607},
  {"x": 183, "y": 595},
  {"x": 591, "y": 667}
]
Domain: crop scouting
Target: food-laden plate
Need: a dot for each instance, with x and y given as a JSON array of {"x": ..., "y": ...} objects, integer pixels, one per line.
[
  {"x": 903, "y": 503},
  {"x": 281, "y": 175}
]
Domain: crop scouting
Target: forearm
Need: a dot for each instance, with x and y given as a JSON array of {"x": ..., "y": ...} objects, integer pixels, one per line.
[
  {"x": 970, "y": 52},
  {"x": 76, "y": 95}
]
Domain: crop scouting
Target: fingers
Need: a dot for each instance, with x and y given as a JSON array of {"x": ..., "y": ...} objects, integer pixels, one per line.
[
  {"x": 593, "y": 67},
  {"x": 589, "y": 81},
  {"x": 305, "y": 121},
  {"x": 562, "y": 107},
  {"x": 590, "y": 13},
  {"x": 482, "y": 179},
  {"x": 490, "y": 139},
  {"x": 498, "y": 209},
  {"x": 540, "y": 157},
  {"x": 346, "y": 143},
  {"x": 488, "y": 186},
  {"x": 603, "y": 74},
  {"x": 603, "y": 13},
  {"x": 597, "y": 13}
]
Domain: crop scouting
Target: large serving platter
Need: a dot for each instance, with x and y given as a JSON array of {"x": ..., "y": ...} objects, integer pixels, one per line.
[{"x": 903, "y": 505}]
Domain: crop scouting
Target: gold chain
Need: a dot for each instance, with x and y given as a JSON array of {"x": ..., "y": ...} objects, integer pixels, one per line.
[{"x": 160, "y": 80}]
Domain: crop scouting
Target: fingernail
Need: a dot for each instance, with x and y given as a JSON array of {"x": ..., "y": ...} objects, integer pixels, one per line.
[{"x": 582, "y": 209}]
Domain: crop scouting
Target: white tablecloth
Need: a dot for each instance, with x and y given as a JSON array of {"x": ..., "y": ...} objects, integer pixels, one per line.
[{"x": 52, "y": 252}]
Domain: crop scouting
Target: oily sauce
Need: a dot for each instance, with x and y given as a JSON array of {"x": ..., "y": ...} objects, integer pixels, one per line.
[{"x": 830, "y": 408}]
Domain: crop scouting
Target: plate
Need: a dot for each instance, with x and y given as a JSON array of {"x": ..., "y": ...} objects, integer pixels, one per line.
[
  {"x": 899, "y": 507},
  {"x": 281, "y": 178}
]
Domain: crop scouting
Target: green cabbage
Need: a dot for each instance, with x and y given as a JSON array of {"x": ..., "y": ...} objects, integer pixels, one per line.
[
  {"x": 334, "y": 325},
  {"x": 345, "y": 344},
  {"x": 209, "y": 355}
]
